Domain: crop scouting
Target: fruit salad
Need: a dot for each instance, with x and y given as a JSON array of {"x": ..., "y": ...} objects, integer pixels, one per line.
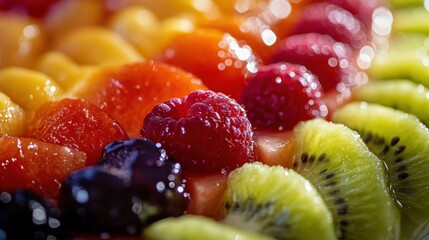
[{"x": 214, "y": 119}]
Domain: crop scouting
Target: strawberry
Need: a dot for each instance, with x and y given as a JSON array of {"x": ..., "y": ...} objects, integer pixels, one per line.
[
  {"x": 129, "y": 93},
  {"x": 280, "y": 95},
  {"x": 206, "y": 132},
  {"x": 36, "y": 165},
  {"x": 77, "y": 124},
  {"x": 216, "y": 57}
]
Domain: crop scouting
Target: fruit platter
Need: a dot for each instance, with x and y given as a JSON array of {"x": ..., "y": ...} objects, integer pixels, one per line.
[{"x": 214, "y": 119}]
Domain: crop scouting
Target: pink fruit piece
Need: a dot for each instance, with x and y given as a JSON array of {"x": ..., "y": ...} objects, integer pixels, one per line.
[
  {"x": 331, "y": 61},
  {"x": 280, "y": 95},
  {"x": 206, "y": 132},
  {"x": 333, "y": 20}
]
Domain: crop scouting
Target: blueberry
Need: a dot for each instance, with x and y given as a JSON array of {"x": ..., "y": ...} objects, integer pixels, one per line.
[
  {"x": 94, "y": 200},
  {"x": 153, "y": 177},
  {"x": 26, "y": 215},
  {"x": 134, "y": 185}
]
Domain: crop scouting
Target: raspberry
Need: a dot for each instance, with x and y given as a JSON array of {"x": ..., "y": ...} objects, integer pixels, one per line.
[
  {"x": 206, "y": 132},
  {"x": 330, "y": 61},
  {"x": 280, "y": 95},
  {"x": 335, "y": 21}
]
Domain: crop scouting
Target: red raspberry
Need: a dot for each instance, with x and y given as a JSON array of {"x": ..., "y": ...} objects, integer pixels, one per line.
[
  {"x": 206, "y": 132},
  {"x": 280, "y": 95},
  {"x": 331, "y": 61},
  {"x": 333, "y": 20},
  {"x": 362, "y": 9}
]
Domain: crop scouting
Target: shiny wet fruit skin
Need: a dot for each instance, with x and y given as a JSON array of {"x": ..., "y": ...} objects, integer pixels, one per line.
[
  {"x": 134, "y": 185},
  {"x": 36, "y": 165},
  {"x": 331, "y": 61},
  {"x": 206, "y": 132},
  {"x": 93, "y": 201},
  {"x": 26, "y": 215},
  {"x": 78, "y": 124},
  {"x": 333, "y": 20},
  {"x": 129, "y": 92},
  {"x": 217, "y": 58},
  {"x": 280, "y": 95},
  {"x": 150, "y": 172}
]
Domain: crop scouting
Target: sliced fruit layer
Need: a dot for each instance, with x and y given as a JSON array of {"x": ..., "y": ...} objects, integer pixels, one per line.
[
  {"x": 400, "y": 140},
  {"x": 277, "y": 202},
  {"x": 36, "y": 165},
  {"x": 400, "y": 94},
  {"x": 197, "y": 227},
  {"x": 349, "y": 177}
]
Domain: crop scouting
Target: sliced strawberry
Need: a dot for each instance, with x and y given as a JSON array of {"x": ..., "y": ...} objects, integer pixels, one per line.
[
  {"x": 280, "y": 95},
  {"x": 130, "y": 92},
  {"x": 216, "y": 57},
  {"x": 78, "y": 124},
  {"x": 36, "y": 165},
  {"x": 206, "y": 194}
]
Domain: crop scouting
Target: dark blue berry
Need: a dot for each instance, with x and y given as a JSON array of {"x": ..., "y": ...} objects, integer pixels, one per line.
[
  {"x": 26, "y": 215},
  {"x": 154, "y": 177},
  {"x": 134, "y": 185},
  {"x": 93, "y": 200}
]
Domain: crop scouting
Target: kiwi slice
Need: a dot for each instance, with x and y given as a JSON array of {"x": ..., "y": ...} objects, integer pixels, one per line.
[
  {"x": 350, "y": 178},
  {"x": 401, "y": 94},
  {"x": 401, "y": 141},
  {"x": 189, "y": 227},
  {"x": 277, "y": 202},
  {"x": 411, "y": 20},
  {"x": 407, "y": 57}
]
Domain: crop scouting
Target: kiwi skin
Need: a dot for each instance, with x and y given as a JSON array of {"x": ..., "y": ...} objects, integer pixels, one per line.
[
  {"x": 350, "y": 178},
  {"x": 401, "y": 94},
  {"x": 401, "y": 141},
  {"x": 197, "y": 227},
  {"x": 277, "y": 202}
]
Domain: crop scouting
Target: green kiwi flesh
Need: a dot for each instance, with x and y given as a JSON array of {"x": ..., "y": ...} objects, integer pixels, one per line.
[
  {"x": 411, "y": 20},
  {"x": 406, "y": 58},
  {"x": 189, "y": 227},
  {"x": 277, "y": 202},
  {"x": 405, "y": 3},
  {"x": 350, "y": 178},
  {"x": 401, "y": 141},
  {"x": 401, "y": 94}
]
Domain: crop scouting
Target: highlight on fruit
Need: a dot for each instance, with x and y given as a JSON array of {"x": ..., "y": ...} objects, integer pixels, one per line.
[{"x": 214, "y": 119}]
